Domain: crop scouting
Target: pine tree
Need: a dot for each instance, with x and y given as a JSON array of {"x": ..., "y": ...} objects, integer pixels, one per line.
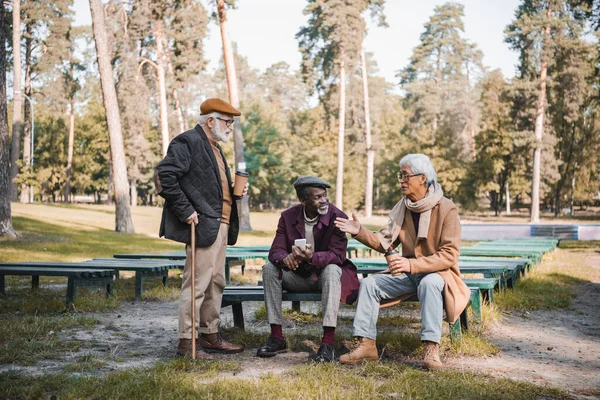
[
  {"x": 15, "y": 153},
  {"x": 541, "y": 31},
  {"x": 234, "y": 99},
  {"x": 124, "y": 222},
  {"x": 440, "y": 94},
  {"x": 488, "y": 175},
  {"x": 6, "y": 227},
  {"x": 330, "y": 43}
]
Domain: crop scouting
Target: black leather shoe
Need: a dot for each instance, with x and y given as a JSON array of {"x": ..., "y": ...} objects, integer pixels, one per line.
[
  {"x": 273, "y": 347},
  {"x": 326, "y": 353}
]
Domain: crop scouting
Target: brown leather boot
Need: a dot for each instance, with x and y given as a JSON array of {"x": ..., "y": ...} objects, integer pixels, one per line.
[
  {"x": 366, "y": 350},
  {"x": 214, "y": 343},
  {"x": 184, "y": 348},
  {"x": 431, "y": 360}
]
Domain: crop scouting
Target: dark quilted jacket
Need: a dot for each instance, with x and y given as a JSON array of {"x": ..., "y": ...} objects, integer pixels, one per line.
[{"x": 190, "y": 180}]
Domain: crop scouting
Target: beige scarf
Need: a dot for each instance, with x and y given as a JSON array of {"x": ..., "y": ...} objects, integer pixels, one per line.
[{"x": 389, "y": 233}]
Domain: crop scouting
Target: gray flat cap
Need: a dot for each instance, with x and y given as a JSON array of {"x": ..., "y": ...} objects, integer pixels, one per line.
[{"x": 311, "y": 181}]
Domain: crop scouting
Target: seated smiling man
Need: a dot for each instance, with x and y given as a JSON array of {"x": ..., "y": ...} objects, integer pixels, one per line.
[{"x": 321, "y": 266}]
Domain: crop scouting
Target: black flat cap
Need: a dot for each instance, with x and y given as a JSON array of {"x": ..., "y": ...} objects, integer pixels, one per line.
[{"x": 311, "y": 181}]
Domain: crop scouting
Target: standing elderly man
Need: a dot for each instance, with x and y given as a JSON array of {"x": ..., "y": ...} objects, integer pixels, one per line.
[
  {"x": 196, "y": 184},
  {"x": 319, "y": 265}
]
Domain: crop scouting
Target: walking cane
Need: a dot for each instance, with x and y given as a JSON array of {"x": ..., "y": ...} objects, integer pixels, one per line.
[{"x": 193, "y": 288}]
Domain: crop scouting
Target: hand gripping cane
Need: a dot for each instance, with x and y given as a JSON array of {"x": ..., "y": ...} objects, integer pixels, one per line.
[{"x": 193, "y": 289}]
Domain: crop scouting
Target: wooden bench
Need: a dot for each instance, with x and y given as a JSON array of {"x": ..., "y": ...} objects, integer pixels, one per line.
[
  {"x": 76, "y": 277},
  {"x": 235, "y": 296},
  {"x": 535, "y": 256},
  {"x": 502, "y": 271},
  {"x": 236, "y": 255},
  {"x": 143, "y": 269}
]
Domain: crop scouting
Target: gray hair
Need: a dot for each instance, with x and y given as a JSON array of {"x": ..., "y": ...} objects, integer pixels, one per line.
[
  {"x": 420, "y": 164},
  {"x": 203, "y": 118}
]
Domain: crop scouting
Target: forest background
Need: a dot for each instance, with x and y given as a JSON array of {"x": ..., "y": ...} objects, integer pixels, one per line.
[{"x": 334, "y": 116}]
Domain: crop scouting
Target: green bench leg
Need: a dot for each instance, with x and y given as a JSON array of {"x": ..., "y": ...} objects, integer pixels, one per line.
[
  {"x": 227, "y": 273},
  {"x": 238, "y": 315},
  {"x": 165, "y": 278},
  {"x": 2, "y": 285},
  {"x": 476, "y": 305},
  {"x": 109, "y": 289},
  {"x": 71, "y": 290},
  {"x": 455, "y": 332},
  {"x": 35, "y": 282},
  {"x": 464, "y": 320},
  {"x": 296, "y": 306},
  {"x": 139, "y": 284}
]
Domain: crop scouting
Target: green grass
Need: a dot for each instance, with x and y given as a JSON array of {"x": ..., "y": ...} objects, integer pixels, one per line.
[
  {"x": 549, "y": 286},
  {"x": 26, "y": 339},
  {"x": 85, "y": 363},
  {"x": 185, "y": 379},
  {"x": 41, "y": 241}
]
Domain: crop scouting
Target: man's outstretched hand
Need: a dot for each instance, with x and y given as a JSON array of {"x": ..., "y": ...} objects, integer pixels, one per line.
[{"x": 348, "y": 226}]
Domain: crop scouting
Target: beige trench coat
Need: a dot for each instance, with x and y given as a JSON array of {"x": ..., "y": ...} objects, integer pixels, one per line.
[{"x": 438, "y": 253}]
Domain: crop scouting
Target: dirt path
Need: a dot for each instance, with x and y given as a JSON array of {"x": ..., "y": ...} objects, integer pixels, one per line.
[{"x": 558, "y": 348}]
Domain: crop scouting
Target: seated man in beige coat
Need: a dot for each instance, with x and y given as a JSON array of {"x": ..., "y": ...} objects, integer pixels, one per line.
[{"x": 427, "y": 226}]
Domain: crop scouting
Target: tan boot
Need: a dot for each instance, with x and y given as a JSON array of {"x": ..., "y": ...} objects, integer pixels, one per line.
[
  {"x": 366, "y": 350},
  {"x": 215, "y": 343},
  {"x": 184, "y": 348},
  {"x": 431, "y": 360}
]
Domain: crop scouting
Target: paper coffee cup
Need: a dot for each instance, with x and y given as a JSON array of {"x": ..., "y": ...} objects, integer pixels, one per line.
[
  {"x": 241, "y": 178},
  {"x": 391, "y": 255}
]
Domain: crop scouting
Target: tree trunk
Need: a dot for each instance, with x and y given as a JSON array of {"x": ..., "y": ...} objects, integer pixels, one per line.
[
  {"x": 16, "y": 122},
  {"x": 134, "y": 195},
  {"x": 234, "y": 99},
  {"x": 507, "y": 198},
  {"x": 6, "y": 227},
  {"x": 539, "y": 129},
  {"x": 70, "y": 150},
  {"x": 27, "y": 153},
  {"x": 572, "y": 210},
  {"x": 123, "y": 222},
  {"x": 110, "y": 185},
  {"x": 180, "y": 117},
  {"x": 339, "y": 185},
  {"x": 162, "y": 88},
  {"x": 370, "y": 151}
]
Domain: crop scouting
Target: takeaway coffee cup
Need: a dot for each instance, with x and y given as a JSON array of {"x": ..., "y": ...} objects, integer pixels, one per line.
[
  {"x": 241, "y": 178},
  {"x": 391, "y": 255}
]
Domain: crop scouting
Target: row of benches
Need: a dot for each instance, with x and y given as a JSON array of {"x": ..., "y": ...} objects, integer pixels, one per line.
[{"x": 498, "y": 272}]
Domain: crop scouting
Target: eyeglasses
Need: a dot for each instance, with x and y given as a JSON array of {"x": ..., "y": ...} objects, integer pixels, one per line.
[
  {"x": 402, "y": 177},
  {"x": 228, "y": 122}
]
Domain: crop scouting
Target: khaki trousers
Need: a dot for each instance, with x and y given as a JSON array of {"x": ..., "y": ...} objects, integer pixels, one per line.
[{"x": 210, "y": 282}]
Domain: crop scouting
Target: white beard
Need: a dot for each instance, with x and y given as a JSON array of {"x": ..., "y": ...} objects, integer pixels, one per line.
[
  {"x": 324, "y": 211},
  {"x": 220, "y": 134}
]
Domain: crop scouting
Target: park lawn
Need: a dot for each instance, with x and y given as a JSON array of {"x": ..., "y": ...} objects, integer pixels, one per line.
[
  {"x": 187, "y": 379},
  {"x": 551, "y": 285},
  {"x": 56, "y": 239},
  {"x": 44, "y": 241}
]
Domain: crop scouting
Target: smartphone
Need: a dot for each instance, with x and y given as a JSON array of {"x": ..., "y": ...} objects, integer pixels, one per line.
[{"x": 300, "y": 243}]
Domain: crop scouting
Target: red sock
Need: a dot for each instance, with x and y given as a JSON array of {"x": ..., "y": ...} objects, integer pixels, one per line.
[
  {"x": 276, "y": 331},
  {"x": 328, "y": 334}
]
